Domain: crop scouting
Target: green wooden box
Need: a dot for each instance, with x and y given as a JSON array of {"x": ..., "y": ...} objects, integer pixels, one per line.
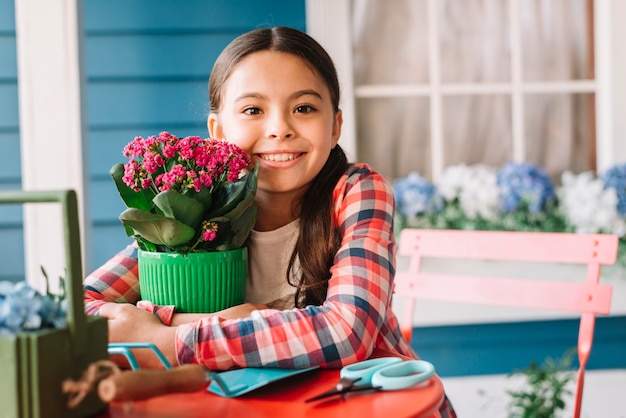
[{"x": 33, "y": 365}]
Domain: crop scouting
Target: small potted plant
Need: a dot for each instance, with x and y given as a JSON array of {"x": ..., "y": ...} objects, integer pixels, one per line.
[
  {"x": 190, "y": 208},
  {"x": 46, "y": 338},
  {"x": 547, "y": 388}
]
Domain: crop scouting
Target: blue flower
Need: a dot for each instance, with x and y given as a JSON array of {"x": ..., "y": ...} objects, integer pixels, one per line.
[
  {"x": 416, "y": 196},
  {"x": 524, "y": 183},
  {"x": 615, "y": 178},
  {"x": 22, "y": 308}
]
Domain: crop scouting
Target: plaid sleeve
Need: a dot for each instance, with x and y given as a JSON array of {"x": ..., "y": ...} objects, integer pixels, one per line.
[
  {"x": 354, "y": 319},
  {"x": 115, "y": 281},
  {"x": 118, "y": 281}
]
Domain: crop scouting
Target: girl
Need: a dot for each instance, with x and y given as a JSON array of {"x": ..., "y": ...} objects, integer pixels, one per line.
[{"x": 322, "y": 251}]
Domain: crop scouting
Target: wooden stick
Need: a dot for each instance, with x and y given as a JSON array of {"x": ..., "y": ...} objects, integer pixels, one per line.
[{"x": 143, "y": 384}]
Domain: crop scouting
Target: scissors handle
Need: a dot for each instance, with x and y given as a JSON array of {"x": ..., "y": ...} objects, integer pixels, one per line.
[
  {"x": 402, "y": 375},
  {"x": 361, "y": 373}
]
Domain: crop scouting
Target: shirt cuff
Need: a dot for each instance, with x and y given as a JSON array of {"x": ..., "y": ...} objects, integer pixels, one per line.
[{"x": 164, "y": 313}]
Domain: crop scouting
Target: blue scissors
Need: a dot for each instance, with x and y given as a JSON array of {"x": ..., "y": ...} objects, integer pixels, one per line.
[{"x": 385, "y": 373}]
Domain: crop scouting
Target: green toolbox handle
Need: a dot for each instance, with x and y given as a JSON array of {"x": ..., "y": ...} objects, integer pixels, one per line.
[{"x": 76, "y": 318}]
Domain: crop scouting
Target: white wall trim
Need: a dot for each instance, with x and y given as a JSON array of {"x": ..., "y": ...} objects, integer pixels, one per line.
[
  {"x": 616, "y": 101},
  {"x": 603, "y": 63},
  {"x": 329, "y": 22},
  {"x": 50, "y": 91}
]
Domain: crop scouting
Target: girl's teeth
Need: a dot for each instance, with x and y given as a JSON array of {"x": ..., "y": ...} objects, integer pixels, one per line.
[{"x": 279, "y": 157}]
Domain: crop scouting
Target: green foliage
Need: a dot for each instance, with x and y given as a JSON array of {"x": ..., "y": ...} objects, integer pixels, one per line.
[
  {"x": 546, "y": 388},
  {"x": 172, "y": 221},
  {"x": 452, "y": 216}
]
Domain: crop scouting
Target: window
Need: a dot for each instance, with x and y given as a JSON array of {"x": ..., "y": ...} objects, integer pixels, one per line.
[{"x": 442, "y": 82}]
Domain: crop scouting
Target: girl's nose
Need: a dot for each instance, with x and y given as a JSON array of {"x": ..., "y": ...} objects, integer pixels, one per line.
[{"x": 279, "y": 128}]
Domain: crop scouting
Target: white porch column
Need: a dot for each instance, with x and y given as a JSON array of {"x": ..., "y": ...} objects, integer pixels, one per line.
[
  {"x": 328, "y": 21},
  {"x": 50, "y": 90},
  {"x": 611, "y": 94}
]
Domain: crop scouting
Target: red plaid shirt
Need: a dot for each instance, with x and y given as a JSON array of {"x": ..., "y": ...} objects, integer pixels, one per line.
[{"x": 355, "y": 318}]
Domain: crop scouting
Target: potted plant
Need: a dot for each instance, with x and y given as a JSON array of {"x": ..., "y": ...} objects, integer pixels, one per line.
[
  {"x": 46, "y": 339},
  {"x": 546, "y": 390},
  {"x": 190, "y": 208}
]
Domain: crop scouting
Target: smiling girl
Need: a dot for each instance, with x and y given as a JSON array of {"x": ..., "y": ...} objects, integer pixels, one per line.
[{"x": 322, "y": 253}]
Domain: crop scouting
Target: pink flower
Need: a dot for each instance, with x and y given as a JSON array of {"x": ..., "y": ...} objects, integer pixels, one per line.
[
  {"x": 185, "y": 165},
  {"x": 169, "y": 151},
  {"x": 146, "y": 183},
  {"x": 209, "y": 231}
]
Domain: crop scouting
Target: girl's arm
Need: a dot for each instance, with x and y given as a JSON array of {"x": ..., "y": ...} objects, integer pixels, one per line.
[
  {"x": 239, "y": 311},
  {"x": 117, "y": 281},
  {"x": 355, "y": 317}
]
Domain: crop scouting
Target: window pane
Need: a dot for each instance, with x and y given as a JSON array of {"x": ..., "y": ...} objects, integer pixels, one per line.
[
  {"x": 396, "y": 141},
  {"x": 390, "y": 42},
  {"x": 555, "y": 40},
  {"x": 474, "y": 41},
  {"x": 477, "y": 130},
  {"x": 559, "y": 132}
]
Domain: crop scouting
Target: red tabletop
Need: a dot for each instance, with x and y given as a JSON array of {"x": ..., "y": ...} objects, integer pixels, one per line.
[{"x": 286, "y": 398}]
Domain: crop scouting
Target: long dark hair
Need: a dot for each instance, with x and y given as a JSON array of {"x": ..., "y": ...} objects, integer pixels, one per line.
[{"x": 318, "y": 237}]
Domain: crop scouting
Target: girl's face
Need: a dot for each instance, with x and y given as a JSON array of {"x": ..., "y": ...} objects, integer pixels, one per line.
[{"x": 279, "y": 110}]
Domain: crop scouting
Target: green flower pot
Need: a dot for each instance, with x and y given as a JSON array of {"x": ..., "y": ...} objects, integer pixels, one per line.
[{"x": 196, "y": 282}]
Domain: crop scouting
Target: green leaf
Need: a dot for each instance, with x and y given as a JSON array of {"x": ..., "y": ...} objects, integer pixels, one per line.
[
  {"x": 235, "y": 197},
  {"x": 180, "y": 207},
  {"x": 139, "y": 200},
  {"x": 203, "y": 196},
  {"x": 144, "y": 244},
  {"x": 156, "y": 228},
  {"x": 242, "y": 226}
]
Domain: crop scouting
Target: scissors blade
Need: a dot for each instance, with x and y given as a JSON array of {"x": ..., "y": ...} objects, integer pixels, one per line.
[{"x": 344, "y": 386}]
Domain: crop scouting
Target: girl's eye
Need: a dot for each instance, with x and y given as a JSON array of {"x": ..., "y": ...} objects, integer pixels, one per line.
[
  {"x": 252, "y": 111},
  {"x": 305, "y": 109}
]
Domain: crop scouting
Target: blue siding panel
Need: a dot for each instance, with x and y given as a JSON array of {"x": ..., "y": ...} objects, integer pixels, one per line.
[
  {"x": 154, "y": 55},
  {"x": 11, "y": 215},
  {"x": 11, "y": 254},
  {"x": 8, "y": 52},
  {"x": 7, "y": 17},
  {"x": 10, "y": 163},
  {"x": 112, "y": 240},
  {"x": 502, "y": 348},
  {"x": 9, "y": 116},
  {"x": 176, "y": 15},
  {"x": 107, "y": 211},
  {"x": 134, "y": 104}
]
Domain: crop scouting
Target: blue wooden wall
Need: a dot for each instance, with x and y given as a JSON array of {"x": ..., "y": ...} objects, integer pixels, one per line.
[{"x": 11, "y": 237}]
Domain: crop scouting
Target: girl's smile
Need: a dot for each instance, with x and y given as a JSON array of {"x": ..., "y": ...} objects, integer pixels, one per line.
[{"x": 280, "y": 157}]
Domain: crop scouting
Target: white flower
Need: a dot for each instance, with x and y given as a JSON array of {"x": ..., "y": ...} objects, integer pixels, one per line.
[
  {"x": 476, "y": 188},
  {"x": 588, "y": 206}
]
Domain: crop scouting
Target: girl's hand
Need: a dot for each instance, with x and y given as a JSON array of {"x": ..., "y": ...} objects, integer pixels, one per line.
[{"x": 127, "y": 323}]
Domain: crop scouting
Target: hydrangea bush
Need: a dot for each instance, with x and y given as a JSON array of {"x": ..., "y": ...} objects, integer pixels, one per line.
[
  {"x": 515, "y": 197},
  {"x": 23, "y": 308}
]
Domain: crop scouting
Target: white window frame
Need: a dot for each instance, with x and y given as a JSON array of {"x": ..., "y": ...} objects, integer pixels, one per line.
[{"x": 329, "y": 21}]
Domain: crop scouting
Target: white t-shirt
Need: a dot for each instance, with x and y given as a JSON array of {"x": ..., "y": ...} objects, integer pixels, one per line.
[{"x": 269, "y": 254}]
